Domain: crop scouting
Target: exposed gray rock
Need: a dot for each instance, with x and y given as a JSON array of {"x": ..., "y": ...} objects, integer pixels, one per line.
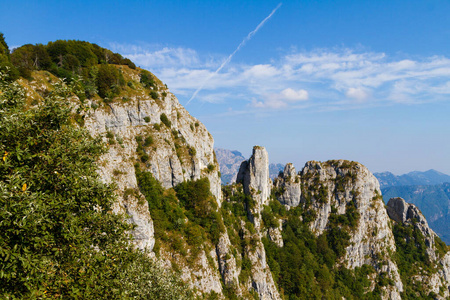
[
  {"x": 227, "y": 264},
  {"x": 338, "y": 184},
  {"x": 409, "y": 214},
  {"x": 200, "y": 274},
  {"x": 261, "y": 277},
  {"x": 275, "y": 236},
  {"x": 126, "y": 121},
  {"x": 254, "y": 175},
  {"x": 287, "y": 186}
]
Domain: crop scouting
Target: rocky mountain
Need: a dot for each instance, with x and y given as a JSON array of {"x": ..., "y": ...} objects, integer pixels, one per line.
[
  {"x": 433, "y": 201},
  {"x": 320, "y": 232},
  {"x": 230, "y": 161},
  {"x": 430, "y": 177}
]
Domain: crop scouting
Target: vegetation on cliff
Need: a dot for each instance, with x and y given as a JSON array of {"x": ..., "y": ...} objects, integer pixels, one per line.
[{"x": 58, "y": 235}]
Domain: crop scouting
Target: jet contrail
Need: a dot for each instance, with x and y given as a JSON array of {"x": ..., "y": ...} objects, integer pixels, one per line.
[{"x": 247, "y": 38}]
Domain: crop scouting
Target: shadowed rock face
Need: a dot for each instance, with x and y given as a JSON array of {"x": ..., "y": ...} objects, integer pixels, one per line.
[{"x": 288, "y": 186}]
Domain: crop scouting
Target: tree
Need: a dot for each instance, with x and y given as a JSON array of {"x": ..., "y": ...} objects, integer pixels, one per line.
[{"x": 6, "y": 67}]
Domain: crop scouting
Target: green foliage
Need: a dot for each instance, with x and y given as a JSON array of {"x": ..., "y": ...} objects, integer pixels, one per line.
[
  {"x": 58, "y": 235},
  {"x": 165, "y": 120},
  {"x": 411, "y": 256},
  {"x": 305, "y": 267},
  {"x": 146, "y": 79},
  {"x": 154, "y": 94},
  {"x": 210, "y": 168},
  {"x": 71, "y": 60},
  {"x": 187, "y": 211},
  {"x": 201, "y": 206},
  {"x": 108, "y": 81},
  {"x": 6, "y": 67},
  {"x": 268, "y": 217},
  {"x": 148, "y": 141}
]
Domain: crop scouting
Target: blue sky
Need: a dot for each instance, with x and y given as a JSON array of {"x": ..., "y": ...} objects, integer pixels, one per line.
[{"x": 360, "y": 80}]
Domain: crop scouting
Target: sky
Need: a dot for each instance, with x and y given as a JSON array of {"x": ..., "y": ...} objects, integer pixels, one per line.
[{"x": 367, "y": 81}]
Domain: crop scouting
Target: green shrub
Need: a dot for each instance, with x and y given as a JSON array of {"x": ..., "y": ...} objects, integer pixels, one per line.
[
  {"x": 146, "y": 79},
  {"x": 154, "y": 94},
  {"x": 148, "y": 141},
  {"x": 147, "y": 119},
  {"x": 165, "y": 120}
]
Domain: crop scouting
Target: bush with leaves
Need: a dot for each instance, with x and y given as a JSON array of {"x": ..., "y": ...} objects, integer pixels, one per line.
[{"x": 58, "y": 235}]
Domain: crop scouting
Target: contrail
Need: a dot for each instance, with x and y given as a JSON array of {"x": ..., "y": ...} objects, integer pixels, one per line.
[{"x": 247, "y": 38}]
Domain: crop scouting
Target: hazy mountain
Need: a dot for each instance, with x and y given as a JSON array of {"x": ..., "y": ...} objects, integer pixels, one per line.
[
  {"x": 229, "y": 162},
  {"x": 429, "y": 177}
]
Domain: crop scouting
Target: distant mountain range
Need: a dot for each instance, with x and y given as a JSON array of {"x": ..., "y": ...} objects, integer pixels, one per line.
[
  {"x": 429, "y": 177},
  {"x": 429, "y": 191},
  {"x": 230, "y": 161}
]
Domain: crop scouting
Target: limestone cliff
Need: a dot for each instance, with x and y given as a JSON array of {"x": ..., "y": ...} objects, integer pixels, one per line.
[
  {"x": 179, "y": 152},
  {"x": 337, "y": 187},
  {"x": 288, "y": 186}
]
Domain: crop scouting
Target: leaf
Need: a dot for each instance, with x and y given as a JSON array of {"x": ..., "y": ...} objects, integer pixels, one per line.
[{"x": 24, "y": 187}]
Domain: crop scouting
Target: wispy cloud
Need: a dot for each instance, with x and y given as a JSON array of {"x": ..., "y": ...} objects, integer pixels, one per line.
[{"x": 322, "y": 78}]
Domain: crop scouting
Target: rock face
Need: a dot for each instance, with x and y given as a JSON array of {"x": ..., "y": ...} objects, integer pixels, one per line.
[
  {"x": 408, "y": 214},
  {"x": 227, "y": 264},
  {"x": 261, "y": 279},
  {"x": 340, "y": 186},
  {"x": 182, "y": 152},
  {"x": 254, "y": 175},
  {"x": 287, "y": 186},
  {"x": 230, "y": 161}
]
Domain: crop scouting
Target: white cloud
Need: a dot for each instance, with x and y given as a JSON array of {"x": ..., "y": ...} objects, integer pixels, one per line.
[
  {"x": 328, "y": 77},
  {"x": 294, "y": 95},
  {"x": 258, "y": 71},
  {"x": 357, "y": 94}
]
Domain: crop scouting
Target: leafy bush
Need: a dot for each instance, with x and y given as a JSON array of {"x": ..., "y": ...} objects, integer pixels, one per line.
[
  {"x": 165, "y": 120},
  {"x": 146, "y": 79},
  {"x": 154, "y": 94}
]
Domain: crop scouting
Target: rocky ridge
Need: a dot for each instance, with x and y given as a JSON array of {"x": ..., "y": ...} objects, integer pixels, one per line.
[{"x": 180, "y": 149}]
